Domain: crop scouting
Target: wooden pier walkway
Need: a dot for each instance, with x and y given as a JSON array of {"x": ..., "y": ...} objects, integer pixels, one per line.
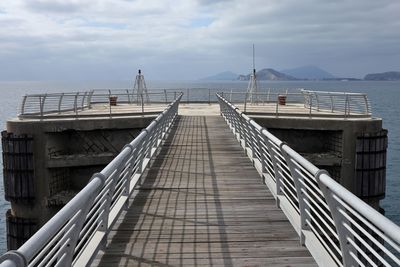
[{"x": 203, "y": 203}]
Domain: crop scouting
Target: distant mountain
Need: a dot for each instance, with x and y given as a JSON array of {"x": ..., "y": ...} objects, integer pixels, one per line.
[
  {"x": 384, "y": 76},
  {"x": 309, "y": 73},
  {"x": 223, "y": 76},
  {"x": 268, "y": 74}
]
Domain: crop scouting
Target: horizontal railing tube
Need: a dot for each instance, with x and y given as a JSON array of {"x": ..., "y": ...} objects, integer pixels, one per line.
[{"x": 337, "y": 226}]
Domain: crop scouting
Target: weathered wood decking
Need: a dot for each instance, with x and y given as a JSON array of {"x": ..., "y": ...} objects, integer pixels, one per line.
[{"x": 203, "y": 203}]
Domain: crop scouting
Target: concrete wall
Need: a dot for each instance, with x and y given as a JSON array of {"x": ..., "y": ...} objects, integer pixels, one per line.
[
  {"x": 334, "y": 144},
  {"x": 66, "y": 152}
]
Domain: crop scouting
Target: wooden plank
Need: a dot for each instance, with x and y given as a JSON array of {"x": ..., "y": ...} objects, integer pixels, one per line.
[{"x": 202, "y": 203}]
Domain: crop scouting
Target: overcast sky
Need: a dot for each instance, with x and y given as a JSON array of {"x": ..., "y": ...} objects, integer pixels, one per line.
[{"x": 182, "y": 39}]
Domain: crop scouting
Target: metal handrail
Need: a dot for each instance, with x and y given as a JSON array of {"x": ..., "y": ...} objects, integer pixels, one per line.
[
  {"x": 77, "y": 232},
  {"x": 316, "y": 102},
  {"x": 342, "y": 102},
  {"x": 41, "y": 105},
  {"x": 336, "y": 226}
]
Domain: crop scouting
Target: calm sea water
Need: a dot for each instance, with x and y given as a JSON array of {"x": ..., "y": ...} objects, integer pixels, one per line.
[{"x": 384, "y": 97}]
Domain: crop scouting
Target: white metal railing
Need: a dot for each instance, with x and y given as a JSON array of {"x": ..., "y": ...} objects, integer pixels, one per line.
[
  {"x": 337, "y": 227},
  {"x": 77, "y": 232},
  {"x": 339, "y": 102},
  {"x": 41, "y": 105},
  {"x": 314, "y": 102}
]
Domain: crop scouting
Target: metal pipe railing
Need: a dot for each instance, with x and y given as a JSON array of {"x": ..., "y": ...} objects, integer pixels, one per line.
[
  {"x": 76, "y": 233},
  {"x": 315, "y": 102},
  {"x": 44, "y": 105},
  {"x": 336, "y": 226},
  {"x": 340, "y": 102}
]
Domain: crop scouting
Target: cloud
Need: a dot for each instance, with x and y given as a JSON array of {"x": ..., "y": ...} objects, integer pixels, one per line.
[{"x": 195, "y": 38}]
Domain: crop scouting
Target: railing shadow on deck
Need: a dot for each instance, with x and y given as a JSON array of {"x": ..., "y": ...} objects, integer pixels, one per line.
[{"x": 182, "y": 182}]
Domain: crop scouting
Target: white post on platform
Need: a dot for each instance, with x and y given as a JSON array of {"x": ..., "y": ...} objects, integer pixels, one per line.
[
  {"x": 141, "y": 88},
  {"x": 252, "y": 89}
]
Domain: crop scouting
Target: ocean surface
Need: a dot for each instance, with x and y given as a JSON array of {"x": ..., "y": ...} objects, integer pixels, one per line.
[{"x": 384, "y": 98}]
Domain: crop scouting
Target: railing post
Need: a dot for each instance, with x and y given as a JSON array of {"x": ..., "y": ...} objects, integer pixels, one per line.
[
  {"x": 109, "y": 101},
  {"x": 300, "y": 189},
  {"x": 42, "y": 101},
  {"x": 89, "y": 100},
  {"x": 187, "y": 95},
  {"x": 245, "y": 102},
  {"x": 346, "y": 106},
  {"x": 23, "y": 105},
  {"x": 230, "y": 97},
  {"x": 366, "y": 104},
  {"x": 166, "y": 98},
  {"x": 260, "y": 142},
  {"x": 345, "y": 237},
  {"x": 128, "y": 95},
  {"x": 142, "y": 103},
  {"x": 332, "y": 103},
  {"x": 273, "y": 154},
  {"x": 277, "y": 105},
  {"x": 209, "y": 96},
  {"x": 317, "y": 99},
  {"x": 83, "y": 100},
  {"x": 67, "y": 261},
  {"x": 60, "y": 102}
]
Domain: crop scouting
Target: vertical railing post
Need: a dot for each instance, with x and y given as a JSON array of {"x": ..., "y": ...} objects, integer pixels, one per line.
[
  {"x": 209, "y": 96},
  {"x": 166, "y": 98},
  {"x": 300, "y": 189},
  {"x": 187, "y": 95},
  {"x": 83, "y": 100},
  {"x": 245, "y": 102},
  {"x": 332, "y": 103},
  {"x": 60, "y": 102},
  {"x": 340, "y": 221},
  {"x": 273, "y": 155},
  {"x": 109, "y": 102},
  {"x": 142, "y": 103},
  {"x": 260, "y": 142},
  {"x": 277, "y": 105},
  {"x": 76, "y": 104},
  {"x": 346, "y": 106},
  {"x": 366, "y": 105},
  {"x": 128, "y": 96},
  {"x": 317, "y": 100},
  {"x": 42, "y": 105},
  {"x": 89, "y": 100},
  {"x": 22, "y": 112},
  {"x": 80, "y": 220}
]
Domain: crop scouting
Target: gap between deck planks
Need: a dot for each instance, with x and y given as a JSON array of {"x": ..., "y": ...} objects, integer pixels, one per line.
[{"x": 202, "y": 203}]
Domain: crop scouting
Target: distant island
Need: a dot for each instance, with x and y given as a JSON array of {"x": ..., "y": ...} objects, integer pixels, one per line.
[
  {"x": 268, "y": 75},
  {"x": 222, "y": 76},
  {"x": 304, "y": 73},
  {"x": 384, "y": 76}
]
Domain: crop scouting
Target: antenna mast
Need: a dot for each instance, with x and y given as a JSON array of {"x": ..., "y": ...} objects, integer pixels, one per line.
[
  {"x": 252, "y": 89},
  {"x": 140, "y": 86}
]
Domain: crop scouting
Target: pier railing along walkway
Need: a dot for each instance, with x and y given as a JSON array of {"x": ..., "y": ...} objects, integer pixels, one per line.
[
  {"x": 76, "y": 233},
  {"x": 335, "y": 226}
]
